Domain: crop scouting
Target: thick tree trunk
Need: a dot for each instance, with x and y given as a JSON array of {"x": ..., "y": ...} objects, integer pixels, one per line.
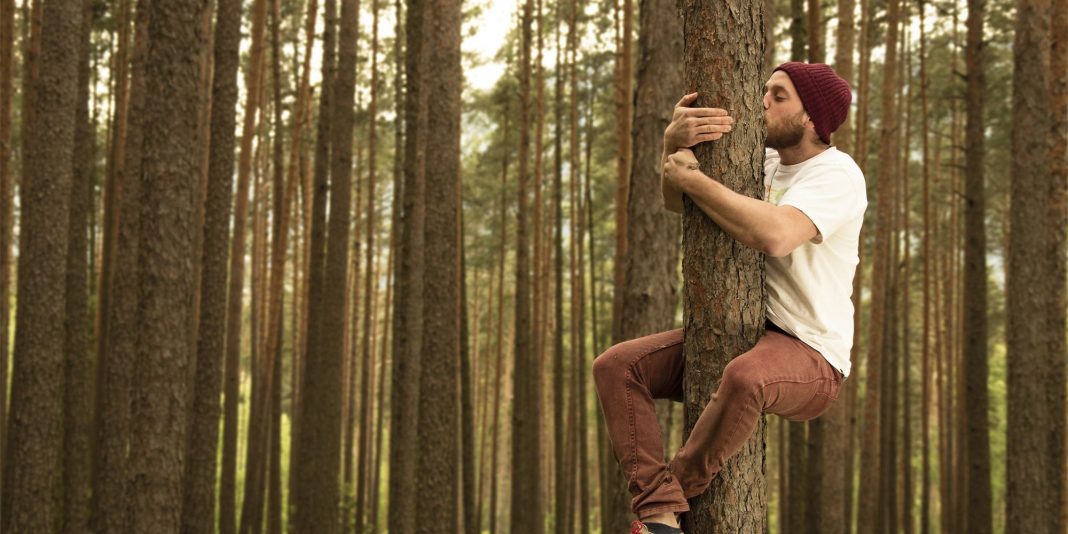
[
  {"x": 977, "y": 441},
  {"x": 439, "y": 473},
  {"x": 1058, "y": 202},
  {"x": 724, "y": 281},
  {"x": 1032, "y": 344},
  {"x": 199, "y": 495},
  {"x": 77, "y": 415},
  {"x": 169, "y": 176},
  {"x": 34, "y": 439}
]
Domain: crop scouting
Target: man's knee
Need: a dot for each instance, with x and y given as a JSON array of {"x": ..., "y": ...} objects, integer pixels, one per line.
[
  {"x": 742, "y": 376},
  {"x": 610, "y": 365}
]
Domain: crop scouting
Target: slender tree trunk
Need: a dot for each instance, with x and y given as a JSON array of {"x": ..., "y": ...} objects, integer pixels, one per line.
[
  {"x": 199, "y": 495},
  {"x": 925, "y": 386},
  {"x": 408, "y": 310},
  {"x": 625, "y": 116},
  {"x": 872, "y": 489},
  {"x": 236, "y": 283},
  {"x": 34, "y": 439},
  {"x": 169, "y": 176},
  {"x": 815, "y": 32},
  {"x": 526, "y": 449},
  {"x": 7, "y": 201},
  {"x": 977, "y": 441},
  {"x": 1032, "y": 475},
  {"x": 497, "y": 368},
  {"x": 560, "y": 479},
  {"x": 367, "y": 359},
  {"x": 736, "y": 500},
  {"x": 319, "y": 451},
  {"x": 77, "y": 415},
  {"x": 797, "y": 30},
  {"x": 115, "y": 368}
]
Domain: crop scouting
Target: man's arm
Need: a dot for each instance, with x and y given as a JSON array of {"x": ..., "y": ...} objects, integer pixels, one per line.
[
  {"x": 773, "y": 230},
  {"x": 688, "y": 127}
]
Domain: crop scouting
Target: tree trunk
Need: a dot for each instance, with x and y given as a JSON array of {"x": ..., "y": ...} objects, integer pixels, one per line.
[
  {"x": 115, "y": 370},
  {"x": 169, "y": 179},
  {"x": 797, "y": 30},
  {"x": 1059, "y": 287},
  {"x": 235, "y": 292},
  {"x": 1033, "y": 347},
  {"x": 925, "y": 386},
  {"x": 977, "y": 441},
  {"x": 625, "y": 116},
  {"x": 367, "y": 354},
  {"x": 439, "y": 410},
  {"x": 408, "y": 309},
  {"x": 724, "y": 281},
  {"x": 7, "y": 201},
  {"x": 37, "y": 380},
  {"x": 526, "y": 449},
  {"x": 319, "y": 450},
  {"x": 815, "y": 32},
  {"x": 77, "y": 366},
  {"x": 199, "y": 494},
  {"x": 872, "y": 492},
  {"x": 560, "y": 479}
]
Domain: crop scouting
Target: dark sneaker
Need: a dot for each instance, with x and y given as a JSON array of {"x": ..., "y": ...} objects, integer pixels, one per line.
[{"x": 637, "y": 527}]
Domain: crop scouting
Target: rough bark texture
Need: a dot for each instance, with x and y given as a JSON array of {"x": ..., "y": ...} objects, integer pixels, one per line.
[
  {"x": 526, "y": 420},
  {"x": 977, "y": 441},
  {"x": 408, "y": 310},
  {"x": 1058, "y": 206},
  {"x": 169, "y": 179},
  {"x": 1031, "y": 342},
  {"x": 34, "y": 438},
  {"x": 115, "y": 368},
  {"x": 198, "y": 509},
  {"x": 872, "y": 441},
  {"x": 724, "y": 280},
  {"x": 77, "y": 415},
  {"x": 439, "y": 411}
]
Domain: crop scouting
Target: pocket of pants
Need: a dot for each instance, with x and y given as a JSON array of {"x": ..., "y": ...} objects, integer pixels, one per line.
[{"x": 830, "y": 388}]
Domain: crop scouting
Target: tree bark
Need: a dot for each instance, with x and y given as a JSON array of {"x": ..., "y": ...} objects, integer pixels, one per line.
[
  {"x": 977, "y": 441},
  {"x": 1032, "y": 346},
  {"x": 170, "y": 175},
  {"x": 37, "y": 379},
  {"x": 1058, "y": 202},
  {"x": 7, "y": 201},
  {"x": 439, "y": 410},
  {"x": 724, "y": 291},
  {"x": 526, "y": 424},
  {"x": 199, "y": 494}
]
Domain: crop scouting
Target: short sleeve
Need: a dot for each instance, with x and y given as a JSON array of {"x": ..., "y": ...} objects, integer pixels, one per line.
[{"x": 829, "y": 197}]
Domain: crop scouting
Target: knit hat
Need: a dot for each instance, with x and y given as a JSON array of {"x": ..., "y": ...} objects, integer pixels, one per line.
[{"x": 824, "y": 94}]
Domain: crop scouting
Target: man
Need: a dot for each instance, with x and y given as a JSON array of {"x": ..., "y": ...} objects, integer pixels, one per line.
[{"x": 808, "y": 225}]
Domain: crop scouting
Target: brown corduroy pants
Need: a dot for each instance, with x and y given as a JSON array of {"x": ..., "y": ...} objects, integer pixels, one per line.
[{"x": 780, "y": 375}]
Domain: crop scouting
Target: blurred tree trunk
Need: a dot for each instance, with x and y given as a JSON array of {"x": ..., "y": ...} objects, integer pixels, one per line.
[
  {"x": 1058, "y": 202},
  {"x": 408, "y": 309},
  {"x": 925, "y": 394},
  {"x": 7, "y": 198},
  {"x": 199, "y": 494},
  {"x": 797, "y": 30},
  {"x": 977, "y": 441},
  {"x": 115, "y": 370},
  {"x": 873, "y": 494},
  {"x": 526, "y": 455},
  {"x": 815, "y": 32},
  {"x": 1035, "y": 331},
  {"x": 719, "y": 274}
]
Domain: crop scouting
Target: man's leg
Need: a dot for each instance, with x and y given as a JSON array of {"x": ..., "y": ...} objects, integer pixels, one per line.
[
  {"x": 780, "y": 375},
  {"x": 628, "y": 377}
]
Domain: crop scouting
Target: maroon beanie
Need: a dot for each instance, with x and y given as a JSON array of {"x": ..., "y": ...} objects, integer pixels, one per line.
[{"x": 825, "y": 95}]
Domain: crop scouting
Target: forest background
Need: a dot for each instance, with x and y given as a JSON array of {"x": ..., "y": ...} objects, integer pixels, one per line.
[{"x": 281, "y": 202}]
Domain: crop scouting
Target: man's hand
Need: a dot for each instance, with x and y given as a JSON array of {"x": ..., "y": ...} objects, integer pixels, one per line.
[
  {"x": 690, "y": 126},
  {"x": 679, "y": 167}
]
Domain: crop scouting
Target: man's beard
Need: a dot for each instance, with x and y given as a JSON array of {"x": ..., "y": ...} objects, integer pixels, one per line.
[{"x": 788, "y": 134}]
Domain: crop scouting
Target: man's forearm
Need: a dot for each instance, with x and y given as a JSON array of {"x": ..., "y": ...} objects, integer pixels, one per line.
[
  {"x": 671, "y": 194},
  {"x": 752, "y": 222}
]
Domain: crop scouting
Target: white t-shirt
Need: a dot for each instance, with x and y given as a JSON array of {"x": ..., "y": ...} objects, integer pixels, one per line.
[{"x": 809, "y": 290}]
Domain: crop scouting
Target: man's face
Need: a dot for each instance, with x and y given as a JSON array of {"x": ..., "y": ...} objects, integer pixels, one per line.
[{"x": 783, "y": 112}]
